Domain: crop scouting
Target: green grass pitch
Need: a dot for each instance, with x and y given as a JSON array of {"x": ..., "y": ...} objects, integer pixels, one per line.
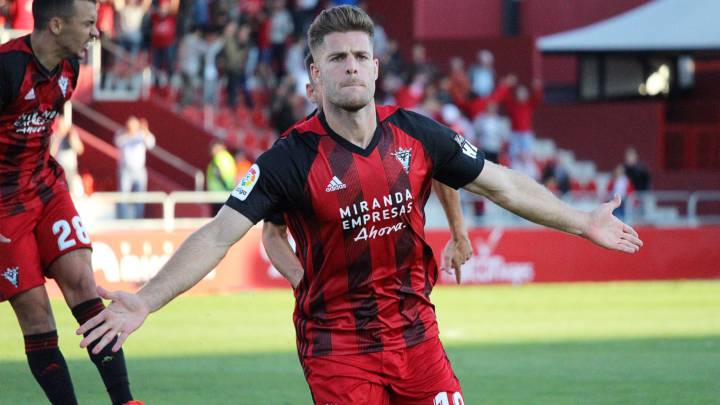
[{"x": 609, "y": 343}]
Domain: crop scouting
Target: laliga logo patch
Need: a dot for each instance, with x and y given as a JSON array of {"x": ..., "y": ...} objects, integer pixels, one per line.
[
  {"x": 467, "y": 148},
  {"x": 11, "y": 275},
  {"x": 243, "y": 189},
  {"x": 403, "y": 156}
]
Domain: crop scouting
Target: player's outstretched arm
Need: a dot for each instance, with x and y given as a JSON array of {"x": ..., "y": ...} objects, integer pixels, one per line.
[
  {"x": 458, "y": 249},
  {"x": 528, "y": 199},
  {"x": 280, "y": 252},
  {"x": 193, "y": 260}
]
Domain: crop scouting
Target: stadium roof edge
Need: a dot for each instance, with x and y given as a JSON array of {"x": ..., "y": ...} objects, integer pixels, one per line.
[{"x": 677, "y": 26}]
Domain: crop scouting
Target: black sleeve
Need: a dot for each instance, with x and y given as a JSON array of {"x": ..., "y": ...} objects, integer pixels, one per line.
[
  {"x": 268, "y": 187},
  {"x": 456, "y": 162},
  {"x": 276, "y": 219},
  {"x": 12, "y": 70}
]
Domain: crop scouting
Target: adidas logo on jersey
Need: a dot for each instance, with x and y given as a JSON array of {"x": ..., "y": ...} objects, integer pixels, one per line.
[
  {"x": 30, "y": 95},
  {"x": 335, "y": 185}
]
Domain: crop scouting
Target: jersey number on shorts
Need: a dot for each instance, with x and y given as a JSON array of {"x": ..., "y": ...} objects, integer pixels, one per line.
[
  {"x": 442, "y": 399},
  {"x": 63, "y": 228}
]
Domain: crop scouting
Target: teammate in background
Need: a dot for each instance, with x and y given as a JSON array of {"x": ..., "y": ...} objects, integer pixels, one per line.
[
  {"x": 274, "y": 234},
  {"x": 352, "y": 183},
  {"x": 41, "y": 234}
]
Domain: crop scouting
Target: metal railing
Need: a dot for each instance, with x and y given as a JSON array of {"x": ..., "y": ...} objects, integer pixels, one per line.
[
  {"x": 159, "y": 152},
  {"x": 660, "y": 208}
]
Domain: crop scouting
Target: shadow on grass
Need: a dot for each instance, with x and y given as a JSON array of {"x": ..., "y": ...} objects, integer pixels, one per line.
[{"x": 640, "y": 371}]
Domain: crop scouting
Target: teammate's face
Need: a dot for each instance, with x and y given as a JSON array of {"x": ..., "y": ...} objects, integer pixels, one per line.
[
  {"x": 76, "y": 32},
  {"x": 346, "y": 72}
]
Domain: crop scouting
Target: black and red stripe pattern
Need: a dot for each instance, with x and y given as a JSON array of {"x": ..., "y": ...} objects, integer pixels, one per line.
[
  {"x": 31, "y": 97},
  {"x": 357, "y": 217},
  {"x": 41, "y": 341}
]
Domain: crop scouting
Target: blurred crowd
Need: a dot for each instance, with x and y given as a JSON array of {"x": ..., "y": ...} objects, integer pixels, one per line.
[{"x": 244, "y": 61}]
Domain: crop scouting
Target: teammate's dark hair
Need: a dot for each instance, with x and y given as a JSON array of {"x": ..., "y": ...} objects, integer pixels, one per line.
[
  {"x": 308, "y": 62},
  {"x": 44, "y": 10},
  {"x": 339, "y": 19}
]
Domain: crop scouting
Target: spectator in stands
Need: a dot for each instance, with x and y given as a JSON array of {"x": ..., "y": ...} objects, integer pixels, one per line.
[
  {"x": 190, "y": 54},
  {"x": 412, "y": 94},
  {"x": 492, "y": 131},
  {"x": 306, "y": 11},
  {"x": 478, "y": 104},
  {"x": 620, "y": 185},
  {"x": 281, "y": 27},
  {"x": 221, "y": 171},
  {"x": 520, "y": 107},
  {"x": 392, "y": 61},
  {"x": 637, "y": 172},
  {"x": 133, "y": 141},
  {"x": 130, "y": 17},
  {"x": 555, "y": 177},
  {"x": 295, "y": 64},
  {"x": 242, "y": 164},
  {"x": 235, "y": 56},
  {"x": 66, "y": 147},
  {"x": 213, "y": 44},
  {"x": 459, "y": 85},
  {"x": 482, "y": 74},
  {"x": 421, "y": 64},
  {"x": 163, "y": 32}
]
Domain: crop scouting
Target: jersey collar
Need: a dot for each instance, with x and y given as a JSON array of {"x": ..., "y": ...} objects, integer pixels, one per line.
[{"x": 349, "y": 145}]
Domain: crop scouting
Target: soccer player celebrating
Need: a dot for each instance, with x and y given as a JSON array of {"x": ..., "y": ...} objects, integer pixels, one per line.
[
  {"x": 41, "y": 234},
  {"x": 274, "y": 234},
  {"x": 352, "y": 183}
]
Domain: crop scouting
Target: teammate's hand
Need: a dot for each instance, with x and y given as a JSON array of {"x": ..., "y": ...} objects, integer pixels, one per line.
[
  {"x": 605, "y": 230},
  {"x": 455, "y": 254},
  {"x": 123, "y": 316},
  {"x": 3, "y": 239}
]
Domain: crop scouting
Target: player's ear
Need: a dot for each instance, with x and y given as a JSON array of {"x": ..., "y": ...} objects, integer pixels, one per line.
[
  {"x": 55, "y": 25},
  {"x": 376, "y": 62}
]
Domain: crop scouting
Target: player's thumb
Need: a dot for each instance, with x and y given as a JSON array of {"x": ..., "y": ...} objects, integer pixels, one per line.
[
  {"x": 616, "y": 201},
  {"x": 105, "y": 294}
]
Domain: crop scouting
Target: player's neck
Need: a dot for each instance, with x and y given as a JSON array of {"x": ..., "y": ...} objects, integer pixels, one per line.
[
  {"x": 357, "y": 127},
  {"x": 45, "y": 49}
]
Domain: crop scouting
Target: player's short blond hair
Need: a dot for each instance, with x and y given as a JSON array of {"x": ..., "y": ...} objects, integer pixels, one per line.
[{"x": 339, "y": 19}]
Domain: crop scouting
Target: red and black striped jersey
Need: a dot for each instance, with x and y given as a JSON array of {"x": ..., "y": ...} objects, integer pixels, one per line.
[
  {"x": 357, "y": 217},
  {"x": 30, "y": 99}
]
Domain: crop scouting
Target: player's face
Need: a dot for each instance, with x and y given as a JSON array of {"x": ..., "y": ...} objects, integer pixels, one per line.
[
  {"x": 79, "y": 30},
  {"x": 347, "y": 71}
]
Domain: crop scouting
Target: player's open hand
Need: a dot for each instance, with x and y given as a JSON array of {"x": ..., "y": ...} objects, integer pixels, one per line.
[
  {"x": 455, "y": 254},
  {"x": 123, "y": 316},
  {"x": 3, "y": 239},
  {"x": 606, "y": 230}
]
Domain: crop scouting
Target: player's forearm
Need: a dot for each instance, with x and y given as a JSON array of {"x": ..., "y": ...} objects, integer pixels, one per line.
[
  {"x": 450, "y": 201},
  {"x": 281, "y": 254},
  {"x": 193, "y": 260},
  {"x": 525, "y": 197}
]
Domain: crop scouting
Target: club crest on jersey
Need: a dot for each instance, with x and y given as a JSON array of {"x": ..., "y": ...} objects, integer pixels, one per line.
[
  {"x": 403, "y": 156},
  {"x": 243, "y": 189},
  {"x": 11, "y": 275},
  {"x": 63, "y": 83},
  {"x": 467, "y": 148},
  {"x": 30, "y": 95}
]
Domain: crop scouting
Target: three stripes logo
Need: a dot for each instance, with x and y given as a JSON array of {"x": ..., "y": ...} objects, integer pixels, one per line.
[{"x": 335, "y": 185}]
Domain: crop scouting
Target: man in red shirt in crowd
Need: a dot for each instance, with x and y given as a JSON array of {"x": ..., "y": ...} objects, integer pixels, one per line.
[
  {"x": 41, "y": 234},
  {"x": 352, "y": 182}
]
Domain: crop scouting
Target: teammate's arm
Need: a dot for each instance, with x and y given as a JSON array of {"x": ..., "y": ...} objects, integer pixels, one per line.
[
  {"x": 280, "y": 253},
  {"x": 458, "y": 249},
  {"x": 528, "y": 199},
  {"x": 193, "y": 260}
]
